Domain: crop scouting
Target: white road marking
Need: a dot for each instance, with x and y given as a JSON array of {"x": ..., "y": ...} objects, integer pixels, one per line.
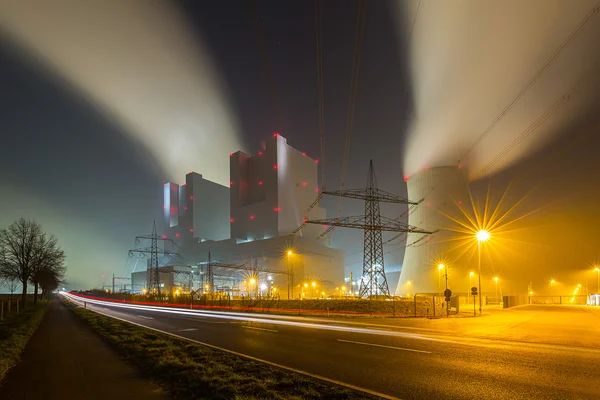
[
  {"x": 188, "y": 330},
  {"x": 387, "y": 347},
  {"x": 260, "y": 329},
  {"x": 142, "y": 316}
]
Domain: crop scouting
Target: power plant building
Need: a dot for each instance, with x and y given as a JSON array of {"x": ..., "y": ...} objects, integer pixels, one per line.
[
  {"x": 249, "y": 224},
  {"x": 198, "y": 209},
  {"x": 445, "y": 191}
]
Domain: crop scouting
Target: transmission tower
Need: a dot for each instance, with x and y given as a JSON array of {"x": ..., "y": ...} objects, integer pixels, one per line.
[
  {"x": 153, "y": 272},
  {"x": 374, "y": 281}
]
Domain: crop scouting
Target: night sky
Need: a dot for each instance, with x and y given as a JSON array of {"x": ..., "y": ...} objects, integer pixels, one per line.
[{"x": 86, "y": 179}]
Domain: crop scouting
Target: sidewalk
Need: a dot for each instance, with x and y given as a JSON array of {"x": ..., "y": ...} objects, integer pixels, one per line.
[{"x": 65, "y": 359}]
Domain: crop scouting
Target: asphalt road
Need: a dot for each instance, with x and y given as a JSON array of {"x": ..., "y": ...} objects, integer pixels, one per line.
[{"x": 391, "y": 361}]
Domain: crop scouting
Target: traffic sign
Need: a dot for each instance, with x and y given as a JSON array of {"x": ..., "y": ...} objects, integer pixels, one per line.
[
  {"x": 447, "y": 294},
  {"x": 473, "y": 291}
]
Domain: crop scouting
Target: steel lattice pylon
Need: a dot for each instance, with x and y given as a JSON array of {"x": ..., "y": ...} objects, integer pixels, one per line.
[
  {"x": 373, "y": 280},
  {"x": 153, "y": 273}
]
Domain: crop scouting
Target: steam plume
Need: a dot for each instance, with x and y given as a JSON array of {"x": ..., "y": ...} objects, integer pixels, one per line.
[
  {"x": 494, "y": 81},
  {"x": 139, "y": 63}
]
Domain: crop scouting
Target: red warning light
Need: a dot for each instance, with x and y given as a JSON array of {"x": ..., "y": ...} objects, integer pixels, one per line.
[
  {"x": 260, "y": 153},
  {"x": 164, "y": 236},
  {"x": 275, "y": 166},
  {"x": 406, "y": 179},
  {"x": 252, "y": 217},
  {"x": 326, "y": 226},
  {"x": 185, "y": 207},
  {"x": 459, "y": 203},
  {"x": 316, "y": 190},
  {"x": 165, "y": 207},
  {"x": 277, "y": 209},
  {"x": 305, "y": 219},
  {"x": 428, "y": 204},
  {"x": 230, "y": 182},
  {"x": 316, "y": 161},
  {"x": 276, "y": 134},
  {"x": 177, "y": 235},
  {"x": 260, "y": 183},
  {"x": 427, "y": 169},
  {"x": 231, "y": 220},
  {"x": 459, "y": 166},
  {"x": 191, "y": 229},
  {"x": 230, "y": 154},
  {"x": 304, "y": 183},
  {"x": 303, "y": 153},
  {"x": 191, "y": 197}
]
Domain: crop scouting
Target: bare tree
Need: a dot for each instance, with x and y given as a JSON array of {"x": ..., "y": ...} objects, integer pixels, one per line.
[
  {"x": 26, "y": 251},
  {"x": 48, "y": 267}
]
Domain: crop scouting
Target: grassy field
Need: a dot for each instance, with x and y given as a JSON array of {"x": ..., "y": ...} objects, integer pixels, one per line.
[
  {"x": 15, "y": 332},
  {"x": 192, "y": 371}
]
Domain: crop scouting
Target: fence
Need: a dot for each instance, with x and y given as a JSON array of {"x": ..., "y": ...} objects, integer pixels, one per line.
[
  {"x": 565, "y": 300},
  {"x": 12, "y": 306}
]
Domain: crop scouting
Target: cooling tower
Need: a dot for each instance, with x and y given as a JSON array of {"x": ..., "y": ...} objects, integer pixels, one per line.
[{"x": 443, "y": 190}]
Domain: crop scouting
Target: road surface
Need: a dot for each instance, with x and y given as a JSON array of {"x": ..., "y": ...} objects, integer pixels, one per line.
[{"x": 393, "y": 361}]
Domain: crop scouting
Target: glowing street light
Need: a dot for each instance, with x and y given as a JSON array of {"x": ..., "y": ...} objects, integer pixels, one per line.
[
  {"x": 290, "y": 275},
  {"x": 598, "y": 273},
  {"x": 552, "y": 282},
  {"x": 496, "y": 280},
  {"x": 252, "y": 281},
  {"x": 440, "y": 268},
  {"x": 481, "y": 236}
]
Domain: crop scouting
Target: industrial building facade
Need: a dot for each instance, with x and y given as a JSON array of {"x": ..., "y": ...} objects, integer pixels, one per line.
[{"x": 248, "y": 224}]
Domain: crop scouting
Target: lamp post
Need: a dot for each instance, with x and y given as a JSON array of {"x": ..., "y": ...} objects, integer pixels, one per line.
[
  {"x": 470, "y": 283},
  {"x": 496, "y": 280},
  {"x": 552, "y": 282},
  {"x": 290, "y": 276},
  {"x": 481, "y": 236},
  {"x": 440, "y": 268},
  {"x": 598, "y": 273}
]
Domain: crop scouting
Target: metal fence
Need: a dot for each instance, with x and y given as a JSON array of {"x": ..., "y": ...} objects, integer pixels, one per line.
[{"x": 565, "y": 300}]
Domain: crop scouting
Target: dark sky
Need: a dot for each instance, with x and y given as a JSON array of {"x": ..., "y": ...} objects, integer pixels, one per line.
[{"x": 66, "y": 164}]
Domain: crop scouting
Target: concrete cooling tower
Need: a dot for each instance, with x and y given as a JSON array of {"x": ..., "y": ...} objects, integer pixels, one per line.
[{"x": 443, "y": 190}]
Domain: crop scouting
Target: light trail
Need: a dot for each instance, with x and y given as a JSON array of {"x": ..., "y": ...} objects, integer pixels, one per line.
[{"x": 246, "y": 318}]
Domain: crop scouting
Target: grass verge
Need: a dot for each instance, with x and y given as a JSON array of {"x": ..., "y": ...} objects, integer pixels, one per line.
[
  {"x": 15, "y": 332},
  {"x": 192, "y": 371}
]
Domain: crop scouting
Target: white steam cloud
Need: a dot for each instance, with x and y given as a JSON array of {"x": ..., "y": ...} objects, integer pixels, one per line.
[
  {"x": 140, "y": 63},
  {"x": 495, "y": 80}
]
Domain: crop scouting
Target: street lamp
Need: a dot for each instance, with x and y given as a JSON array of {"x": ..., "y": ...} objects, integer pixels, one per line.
[
  {"x": 552, "y": 282},
  {"x": 314, "y": 285},
  {"x": 481, "y": 236},
  {"x": 440, "y": 268},
  {"x": 290, "y": 275},
  {"x": 496, "y": 280}
]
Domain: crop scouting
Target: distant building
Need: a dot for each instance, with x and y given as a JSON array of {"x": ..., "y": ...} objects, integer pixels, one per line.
[
  {"x": 171, "y": 278},
  {"x": 198, "y": 209},
  {"x": 272, "y": 191},
  {"x": 250, "y": 223}
]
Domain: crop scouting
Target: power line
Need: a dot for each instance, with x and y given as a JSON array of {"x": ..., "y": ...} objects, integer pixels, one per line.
[
  {"x": 537, "y": 75},
  {"x": 319, "y": 39}
]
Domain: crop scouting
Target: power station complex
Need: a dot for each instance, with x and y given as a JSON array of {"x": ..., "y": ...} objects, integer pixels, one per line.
[{"x": 254, "y": 238}]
